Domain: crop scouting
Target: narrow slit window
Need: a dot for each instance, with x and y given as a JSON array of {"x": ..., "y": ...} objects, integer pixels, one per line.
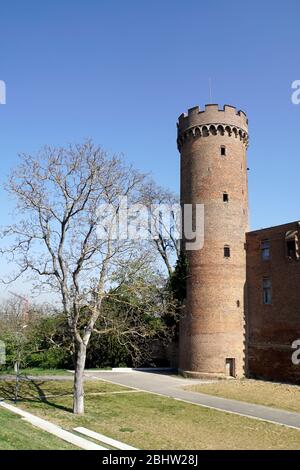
[
  {"x": 226, "y": 251},
  {"x": 225, "y": 197},
  {"x": 267, "y": 291},
  {"x": 223, "y": 150},
  {"x": 265, "y": 249}
]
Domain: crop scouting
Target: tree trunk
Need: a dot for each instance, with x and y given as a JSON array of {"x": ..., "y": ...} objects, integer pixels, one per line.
[{"x": 78, "y": 396}]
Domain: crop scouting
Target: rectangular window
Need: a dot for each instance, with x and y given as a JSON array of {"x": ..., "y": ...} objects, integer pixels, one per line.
[
  {"x": 225, "y": 197},
  {"x": 291, "y": 248},
  {"x": 223, "y": 150},
  {"x": 292, "y": 244},
  {"x": 265, "y": 249},
  {"x": 267, "y": 291},
  {"x": 227, "y": 251}
]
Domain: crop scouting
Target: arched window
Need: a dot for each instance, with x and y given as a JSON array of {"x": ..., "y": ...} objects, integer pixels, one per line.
[{"x": 205, "y": 131}]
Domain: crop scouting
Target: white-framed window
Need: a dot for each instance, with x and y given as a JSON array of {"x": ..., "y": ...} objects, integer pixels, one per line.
[{"x": 223, "y": 151}]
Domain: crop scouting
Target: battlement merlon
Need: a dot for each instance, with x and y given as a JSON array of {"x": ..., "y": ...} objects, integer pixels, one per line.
[{"x": 212, "y": 114}]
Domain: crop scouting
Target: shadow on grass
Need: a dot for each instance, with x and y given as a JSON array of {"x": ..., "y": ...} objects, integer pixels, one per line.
[{"x": 35, "y": 395}]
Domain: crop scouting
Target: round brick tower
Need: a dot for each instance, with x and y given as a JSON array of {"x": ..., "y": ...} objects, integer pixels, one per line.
[{"x": 213, "y": 144}]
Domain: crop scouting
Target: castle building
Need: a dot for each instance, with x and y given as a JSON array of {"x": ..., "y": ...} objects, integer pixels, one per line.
[
  {"x": 273, "y": 292},
  {"x": 242, "y": 308}
]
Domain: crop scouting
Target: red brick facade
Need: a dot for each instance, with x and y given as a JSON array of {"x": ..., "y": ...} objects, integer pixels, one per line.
[
  {"x": 273, "y": 326},
  {"x": 242, "y": 312},
  {"x": 212, "y": 331}
]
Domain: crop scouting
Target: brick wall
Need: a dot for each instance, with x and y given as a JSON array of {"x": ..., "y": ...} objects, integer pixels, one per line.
[{"x": 273, "y": 328}]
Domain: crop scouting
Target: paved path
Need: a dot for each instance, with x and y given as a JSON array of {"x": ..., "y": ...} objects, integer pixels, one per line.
[{"x": 172, "y": 386}]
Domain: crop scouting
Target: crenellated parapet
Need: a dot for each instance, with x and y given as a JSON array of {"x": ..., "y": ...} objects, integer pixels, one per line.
[{"x": 212, "y": 121}]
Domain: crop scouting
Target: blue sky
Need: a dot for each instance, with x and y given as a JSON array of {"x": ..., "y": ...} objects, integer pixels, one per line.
[{"x": 121, "y": 72}]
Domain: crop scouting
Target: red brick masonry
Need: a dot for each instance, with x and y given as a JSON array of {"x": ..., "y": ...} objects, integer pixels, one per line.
[
  {"x": 212, "y": 332},
  {"x": 242, "y": 312},
  {"x": 273, "y": 328}
]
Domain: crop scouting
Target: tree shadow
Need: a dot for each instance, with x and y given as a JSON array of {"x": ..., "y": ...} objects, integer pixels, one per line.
[
  {"x": 35, "y": 395},
  {"x": 43, "y": 397}
]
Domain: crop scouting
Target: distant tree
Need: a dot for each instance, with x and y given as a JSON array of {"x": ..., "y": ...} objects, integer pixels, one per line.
[
  {"x": 50, "y": 342},
  {"x": 176, "y": 289},
  {"x": 14, "y": 335},
  {"x": 42, "y": 341},
  {"x": 136, "y": 309},
  {"x": 178, "y": 278}
]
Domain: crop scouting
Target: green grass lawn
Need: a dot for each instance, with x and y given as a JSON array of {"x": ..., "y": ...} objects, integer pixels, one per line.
[
  {"x": 149, "y": 421},
  {"x": 271, "y": 394},
  {"x": 16, "y": 434},
  {"x": 35, "y": 371}
]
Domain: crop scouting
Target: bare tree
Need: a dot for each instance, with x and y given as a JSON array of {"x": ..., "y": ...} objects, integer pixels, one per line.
[
  {"x": 162, "y": 231},
  {"x": 56, "y": 236}
]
